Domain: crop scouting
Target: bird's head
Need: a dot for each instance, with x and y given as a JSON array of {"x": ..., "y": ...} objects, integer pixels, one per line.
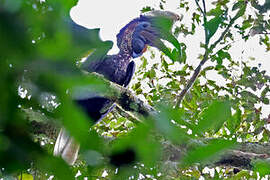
[{"x": 148, "y": 29}]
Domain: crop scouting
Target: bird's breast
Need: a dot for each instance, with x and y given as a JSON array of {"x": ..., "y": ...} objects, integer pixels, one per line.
[{"x": 114, "y": 68}]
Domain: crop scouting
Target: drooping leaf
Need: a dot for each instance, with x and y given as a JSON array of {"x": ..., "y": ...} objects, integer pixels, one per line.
[{"x": 165, "y": 27}]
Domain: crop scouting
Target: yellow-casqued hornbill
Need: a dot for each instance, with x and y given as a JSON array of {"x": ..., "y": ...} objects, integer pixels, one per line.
[{"x": 132, "y": 41}]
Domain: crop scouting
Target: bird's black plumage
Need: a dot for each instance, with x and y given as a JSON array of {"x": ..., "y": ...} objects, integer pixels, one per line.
[{"x": 117, "y": 68}]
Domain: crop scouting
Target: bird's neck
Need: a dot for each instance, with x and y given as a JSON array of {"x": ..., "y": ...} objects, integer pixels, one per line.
[
  {"x": 125, "y": 48},
  {"x": 124, "y": 56},
  {"x": 126, "y": 43},
  {"x": 125, "y": 51}
]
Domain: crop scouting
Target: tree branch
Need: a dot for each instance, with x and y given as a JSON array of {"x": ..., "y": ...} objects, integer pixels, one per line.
[
  {"x": 197, "y": 71},
  {"x": 240, "y": 159},
  {"x": 191, "y": 81},
  {"x": 241, "y": 156},
  {"x": 125, "y": 98},
  {"x": 204, "y": 7}
]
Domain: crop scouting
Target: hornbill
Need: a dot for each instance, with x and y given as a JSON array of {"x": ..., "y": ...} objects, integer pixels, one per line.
[{"x": 132, "y": 41}]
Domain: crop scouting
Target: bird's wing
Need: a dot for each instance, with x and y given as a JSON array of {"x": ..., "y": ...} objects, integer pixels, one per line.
[{"x": 129, "y": 74}]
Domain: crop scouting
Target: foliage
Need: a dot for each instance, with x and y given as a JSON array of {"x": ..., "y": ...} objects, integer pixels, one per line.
[{"x": 39, "y": 48}]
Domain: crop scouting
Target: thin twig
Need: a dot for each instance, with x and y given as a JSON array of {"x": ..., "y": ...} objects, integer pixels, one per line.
[
  {"x": 199, "y": 7},
  {"x": 206, "y": 34},
  {"x": 191, "y": 81},
  {"x": 204, "y": 7}
]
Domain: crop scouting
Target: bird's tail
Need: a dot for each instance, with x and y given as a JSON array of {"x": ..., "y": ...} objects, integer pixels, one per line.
[{"x": 66, "y": 147}]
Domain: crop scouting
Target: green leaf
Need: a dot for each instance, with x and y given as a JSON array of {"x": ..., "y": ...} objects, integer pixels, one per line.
[
  {"x": 215, "y": 12},
  {"x": 144, "y": 64},
  {"x": 212, "y": 26},
  {"x": 167, "y": 128},
  {"x": 243, "y": 174},
  {"x": 146, "y": 149},
  {"x": 265, "y": 100},
  {"x": 263, "y": 167},
  {"x": 146, "y": 9},
  {"x": 213, "y": 117},
  {"x": 223, "y": 54},
  {"x": 165, "y": 64},
  {"x": 152, "y": 74},
  {"x": 246, "y": 24},
  {"x": 204, "y": 153},
  {"x": 55, "y": 165},
  {"x": 234, "y": 121},
  {"x": 165, "y": 27},
  {"x": 136, "y": 86},
  {"x": 238, "y": 5},
  {"x": 242, "y": 10},
  {"x": 265, "y": 91},
  {"x": 249, "y": 96},
  {"x": 25, "y": 176}
]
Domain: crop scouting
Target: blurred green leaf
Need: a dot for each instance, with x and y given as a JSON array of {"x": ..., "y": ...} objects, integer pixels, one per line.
[
  {"x": 56, "y": 166},
  {"x": 204, "y": 153},
  {"x": 167, "y": 128},
  {"x": 213, "y": 117},
  {"x": 263, "y": 167},
  {"x": 234, "y": 121},
  {"x": 25, "y": 176},
  {"x": 140, "y": 140},
  {"x": 14, "y": 37},
  {"x": 165, "y": 27}
]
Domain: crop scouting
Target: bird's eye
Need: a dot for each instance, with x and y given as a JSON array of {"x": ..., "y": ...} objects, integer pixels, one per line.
[{"x": 145, "y": 25}]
